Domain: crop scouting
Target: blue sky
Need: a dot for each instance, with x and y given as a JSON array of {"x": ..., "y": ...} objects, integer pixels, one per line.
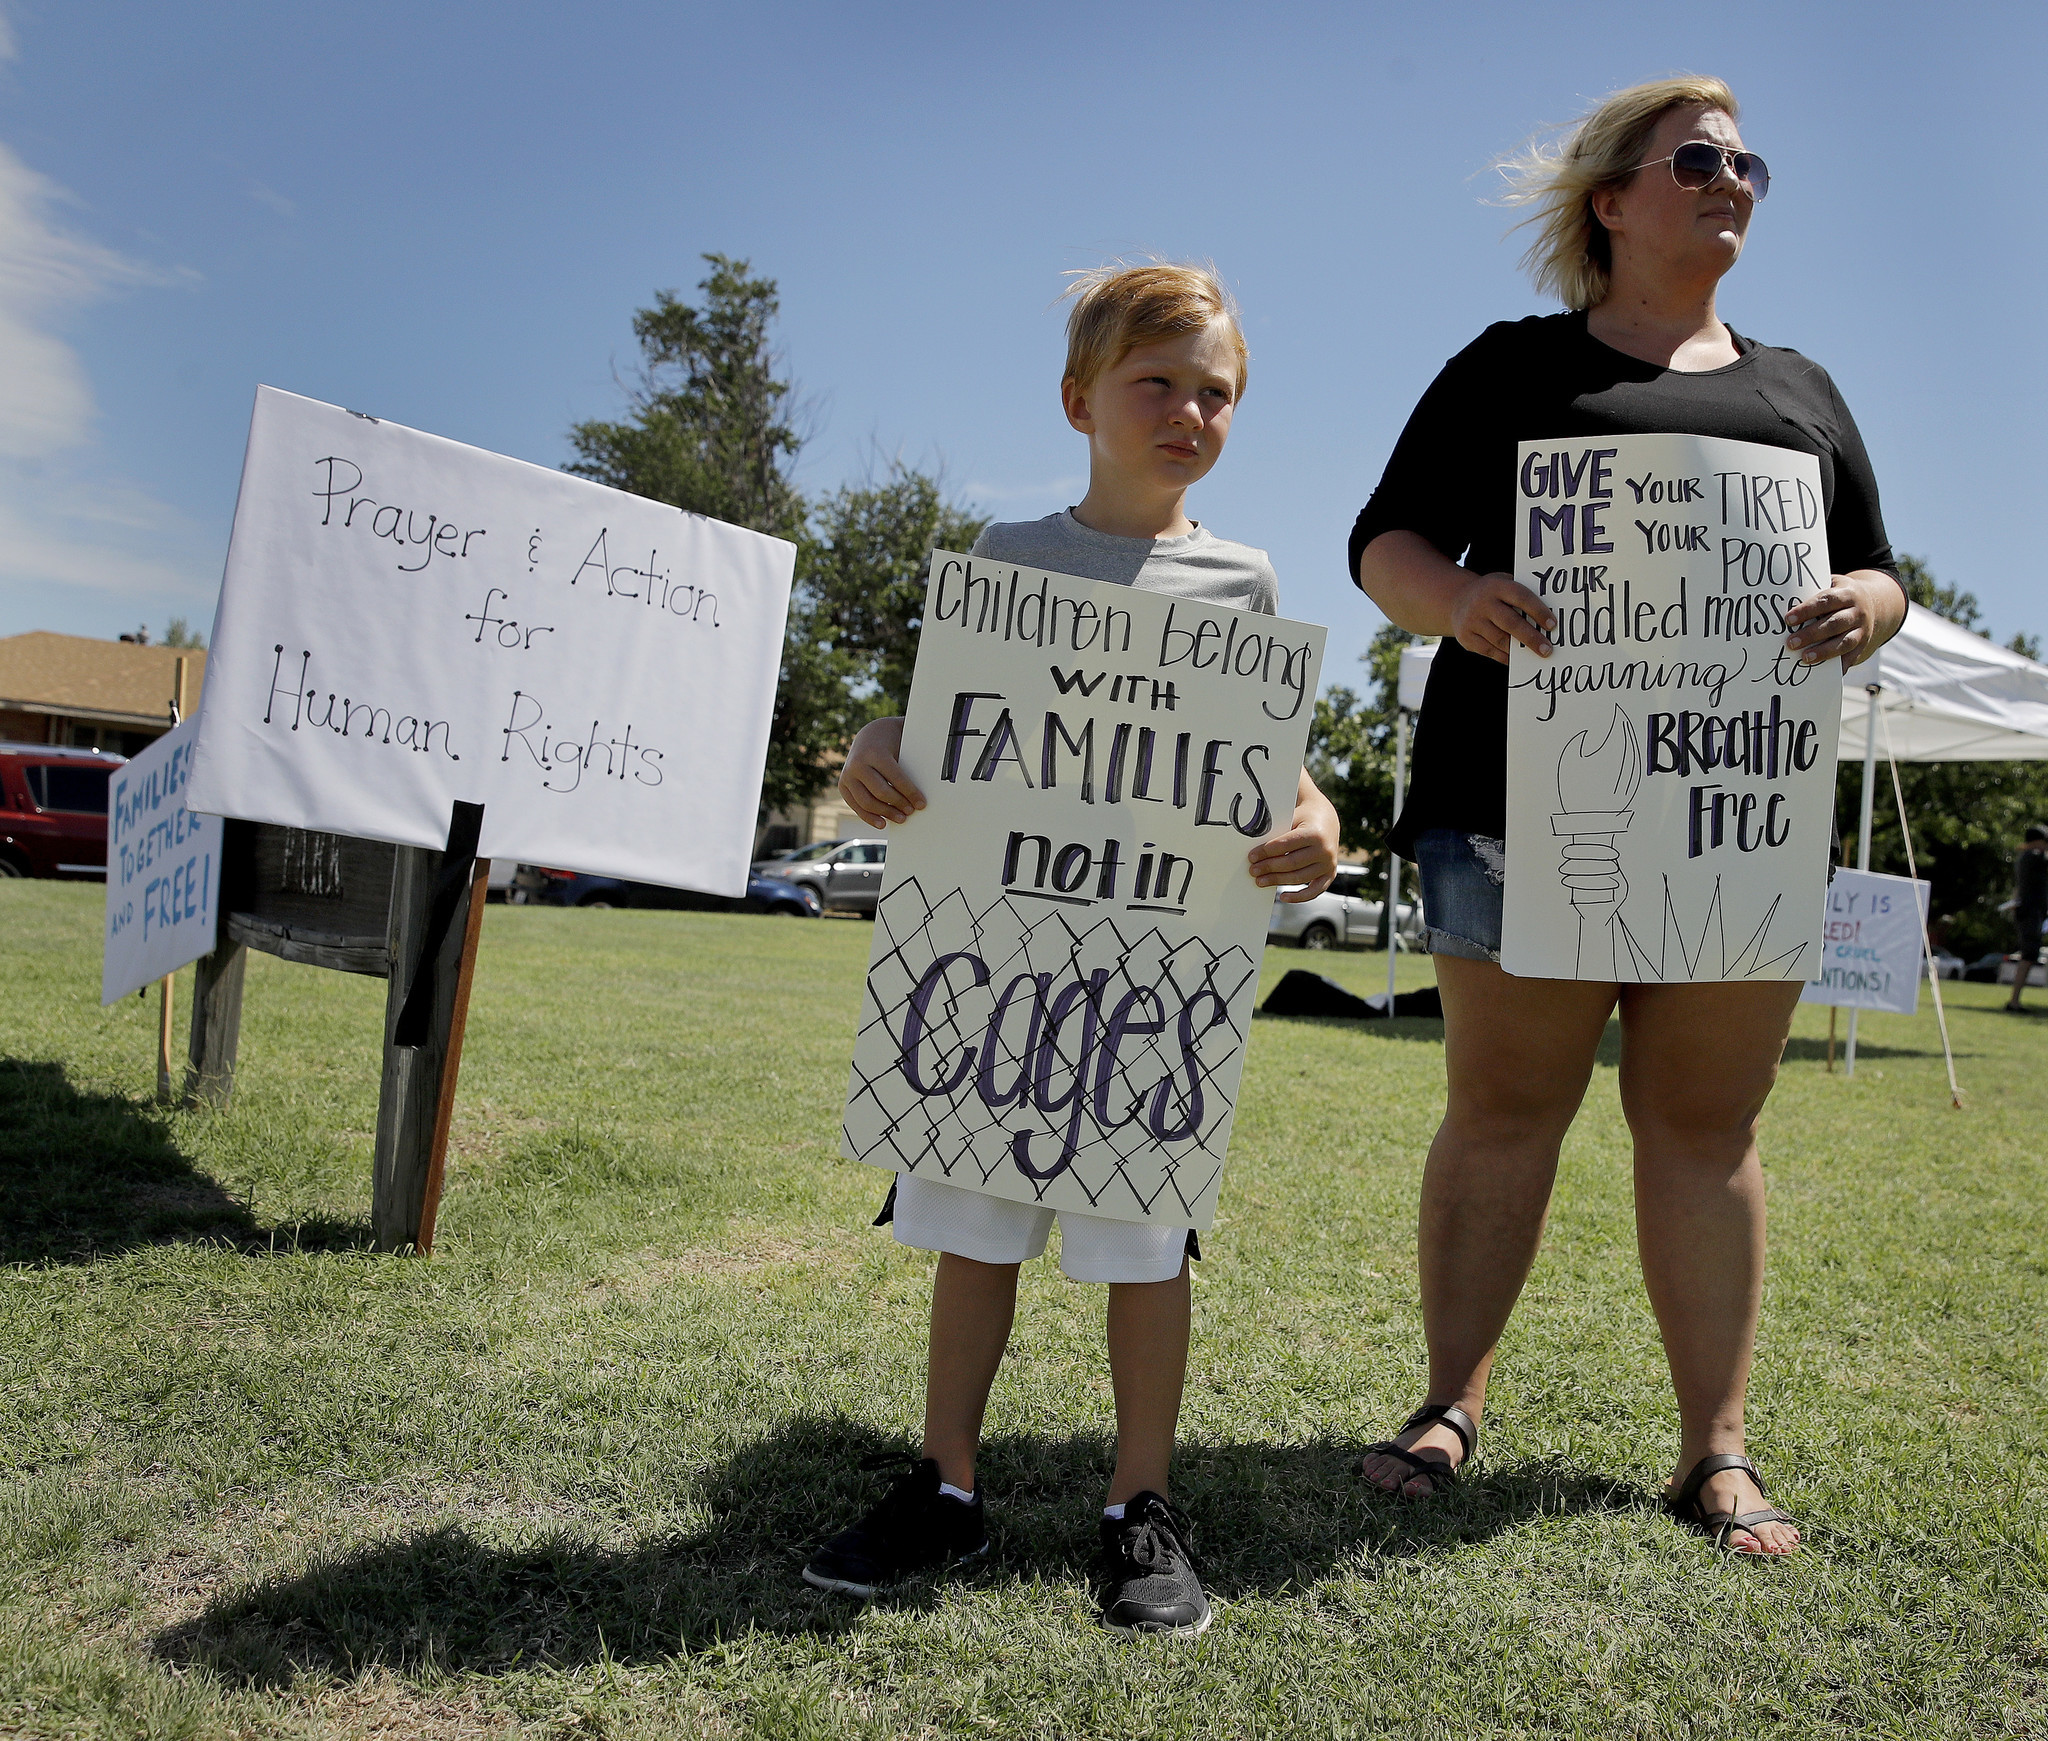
[{"x": 446, "y": 214}]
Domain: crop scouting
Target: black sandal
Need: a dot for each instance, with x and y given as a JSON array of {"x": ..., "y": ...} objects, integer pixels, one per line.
[
  {"x": 1438, "y": 1469},
  {"x": 1718, "y": 1526}
]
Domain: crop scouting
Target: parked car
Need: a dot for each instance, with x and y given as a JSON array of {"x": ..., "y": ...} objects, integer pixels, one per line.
[
  {"x": 560, "y": 888},
  {"x": 53, "y": 810},
  {"x": 847, "y": 874},
  {"x": 782, "y": 863},
  {"x": 1341, "y": 917}
]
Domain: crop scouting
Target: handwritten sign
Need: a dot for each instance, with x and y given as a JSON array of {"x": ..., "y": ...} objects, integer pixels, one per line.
[
  {"x": 1871, "y": 954},
  {"x": 163, "y": 869},
  {"x": 1068, "y": 940},
  {"x": 406, "y": 621},
  {"x": 1671, "y": 767}
]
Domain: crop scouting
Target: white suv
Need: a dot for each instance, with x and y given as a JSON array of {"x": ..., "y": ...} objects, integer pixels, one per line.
[{"x": 1341, "y": 917}]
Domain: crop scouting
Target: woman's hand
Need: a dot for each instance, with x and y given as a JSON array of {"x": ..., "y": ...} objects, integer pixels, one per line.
[
  {"x": 1854, "y": 617},
  {"x": 1492, "y": 611},
  {"x": 872, "y": 781},
  {"x": 1305, "y": 851}
]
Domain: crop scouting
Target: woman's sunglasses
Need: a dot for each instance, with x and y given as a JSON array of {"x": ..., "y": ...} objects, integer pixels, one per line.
[{"x": 1697, "y": 163}]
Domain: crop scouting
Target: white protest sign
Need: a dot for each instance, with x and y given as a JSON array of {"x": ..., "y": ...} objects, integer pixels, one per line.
[
  {"x": 406, "y": 622},
  {"x": 163, "y": 869},
  {"x": 1870, "y": 951},
  {"x": 1671, "y": 767},
  {"x": 1068, "y": 940}
]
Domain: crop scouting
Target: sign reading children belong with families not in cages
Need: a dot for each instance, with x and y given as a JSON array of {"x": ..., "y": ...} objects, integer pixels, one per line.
[
  {"x": 1671, "y": 765},
  {"x": 407, "y": 622},
  {"x": 1068, "y": 940}
]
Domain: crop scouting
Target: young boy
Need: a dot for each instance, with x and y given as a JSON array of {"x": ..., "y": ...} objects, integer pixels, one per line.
[{"x": 1155, "y": 366}]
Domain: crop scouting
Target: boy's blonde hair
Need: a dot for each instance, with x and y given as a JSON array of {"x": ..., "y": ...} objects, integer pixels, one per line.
[
  {"x": 1118, "y": 307},
  {"x": 1571, "y": 255}
]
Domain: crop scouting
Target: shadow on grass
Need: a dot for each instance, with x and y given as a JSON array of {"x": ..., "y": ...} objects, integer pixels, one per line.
[
  {"x": 1799, "y": 1049},
  {"x": 1269, "y": 1518},
  {"x": 1367, "y": 1027},
  {"x": 87, "y": 1175}
]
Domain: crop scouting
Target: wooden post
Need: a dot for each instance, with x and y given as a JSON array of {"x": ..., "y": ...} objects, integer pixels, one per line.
[
  {"x": 418, "y": 1099},
  {"x": 1831, "y": 1039},
  {"x": 164, "y": 989},
  {"x": 216, "y": 1025},
  {"x": 167, "y": 984}
]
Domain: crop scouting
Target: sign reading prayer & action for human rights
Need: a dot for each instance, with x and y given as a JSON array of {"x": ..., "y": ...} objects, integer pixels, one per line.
[
  {"x": 1671, "y": 765},
  {"x": 406, "y": 622},
  {"x": 1068, "y": 940}
]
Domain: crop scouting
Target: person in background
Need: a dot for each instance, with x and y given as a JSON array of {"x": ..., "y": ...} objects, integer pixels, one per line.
[
  {"x": 1639, "y": 215},
  {"x": 2029, "y": 905}
]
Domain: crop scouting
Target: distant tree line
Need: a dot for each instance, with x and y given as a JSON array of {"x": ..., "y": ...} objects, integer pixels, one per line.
[{"x": 712, "y": 426}]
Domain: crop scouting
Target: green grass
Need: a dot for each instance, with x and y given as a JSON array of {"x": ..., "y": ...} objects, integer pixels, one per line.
[{"x": 255, "y": 1480}]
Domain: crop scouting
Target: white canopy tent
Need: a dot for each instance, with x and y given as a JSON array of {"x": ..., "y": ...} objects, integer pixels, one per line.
[
  {"x": 1938, "y": 692},
  {"x": 1948, "y": 695}
]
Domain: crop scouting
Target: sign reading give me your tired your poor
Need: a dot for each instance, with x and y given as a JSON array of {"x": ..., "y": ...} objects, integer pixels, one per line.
[
  {"x": 1671, "y": 765},
  {"x": 406, "y": 622},
  {"x": 1068, "y": 940}
]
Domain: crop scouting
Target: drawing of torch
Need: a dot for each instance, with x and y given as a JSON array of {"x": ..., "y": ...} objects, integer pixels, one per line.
[{"x": 1595, "y": 787}]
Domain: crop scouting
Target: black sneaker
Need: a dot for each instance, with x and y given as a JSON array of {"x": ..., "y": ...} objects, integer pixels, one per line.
[
  {"x": 1150, "y": 1582},
  {"x": 916, "y": 1528}
]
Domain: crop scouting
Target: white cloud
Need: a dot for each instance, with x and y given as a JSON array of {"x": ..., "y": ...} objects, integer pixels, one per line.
[
  {"x": 265, "y": 195},
  {"x": 63, "y": 522},
  {"x": 46, "y": 271},
  {"x": 1025, "y": 492}
]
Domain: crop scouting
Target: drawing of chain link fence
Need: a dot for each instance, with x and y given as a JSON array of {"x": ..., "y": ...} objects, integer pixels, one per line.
[{"x": 1049, "y": 1057}]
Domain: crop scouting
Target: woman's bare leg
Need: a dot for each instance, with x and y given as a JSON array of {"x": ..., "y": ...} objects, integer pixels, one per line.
[
  {"x": 1697, "y": 1064},
  {"x": 1518, "y": 1054}
]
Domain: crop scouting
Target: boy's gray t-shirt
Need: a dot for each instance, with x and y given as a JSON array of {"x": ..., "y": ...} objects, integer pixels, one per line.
[{"x": 1198, "y": 566}]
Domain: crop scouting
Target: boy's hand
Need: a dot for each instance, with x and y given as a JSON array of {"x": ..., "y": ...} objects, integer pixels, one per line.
[
  {"x": 872, "y": 782},
  {"x": 1305, "y": 852}
]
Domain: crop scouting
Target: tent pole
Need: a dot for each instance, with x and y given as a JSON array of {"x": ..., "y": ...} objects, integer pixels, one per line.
[
  {"x": 1393, "y": 858},
  {"x": 1870, "y": 691}
]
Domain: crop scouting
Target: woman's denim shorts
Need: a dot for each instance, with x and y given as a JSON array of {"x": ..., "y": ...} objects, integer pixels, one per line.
[{"x": 1461, "y": 891}]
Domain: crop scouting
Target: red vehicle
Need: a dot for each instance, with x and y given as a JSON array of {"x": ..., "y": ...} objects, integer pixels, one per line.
[{"x": 53, "y": 810}]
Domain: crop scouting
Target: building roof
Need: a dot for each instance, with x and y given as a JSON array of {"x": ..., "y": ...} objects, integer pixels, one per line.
[{"x": 116, "y": 681}]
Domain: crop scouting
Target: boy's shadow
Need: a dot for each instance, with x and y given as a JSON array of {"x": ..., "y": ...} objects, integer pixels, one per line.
[
  {"x": 86, "y": 1175},
  {"x": 1268, "y": 1517}
]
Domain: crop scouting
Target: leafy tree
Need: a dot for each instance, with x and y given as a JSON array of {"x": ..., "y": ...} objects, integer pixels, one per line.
[
  {"x": 711, "y": 427},
  {"x": 864, "y": 563},
  {"x": 1967, "y": 817},
  {"x": 1351, "y": 745},
  {"x": 180, "y": 634}
]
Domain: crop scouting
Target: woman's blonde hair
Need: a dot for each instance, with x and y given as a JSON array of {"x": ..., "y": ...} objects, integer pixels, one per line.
[
  {"x": 1558, "y": 177},
  {"x": 1119, "y": 307}
]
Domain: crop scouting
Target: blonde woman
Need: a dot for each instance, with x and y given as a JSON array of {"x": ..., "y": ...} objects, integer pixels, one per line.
[{"x": 1638, "y": 216}]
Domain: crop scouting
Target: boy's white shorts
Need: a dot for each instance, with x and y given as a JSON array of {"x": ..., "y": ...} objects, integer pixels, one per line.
[{"x": 934, "y": 1216}]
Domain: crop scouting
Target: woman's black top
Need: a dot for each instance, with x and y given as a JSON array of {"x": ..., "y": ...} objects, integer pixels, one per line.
[{"x": 1452, "y": 479}]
